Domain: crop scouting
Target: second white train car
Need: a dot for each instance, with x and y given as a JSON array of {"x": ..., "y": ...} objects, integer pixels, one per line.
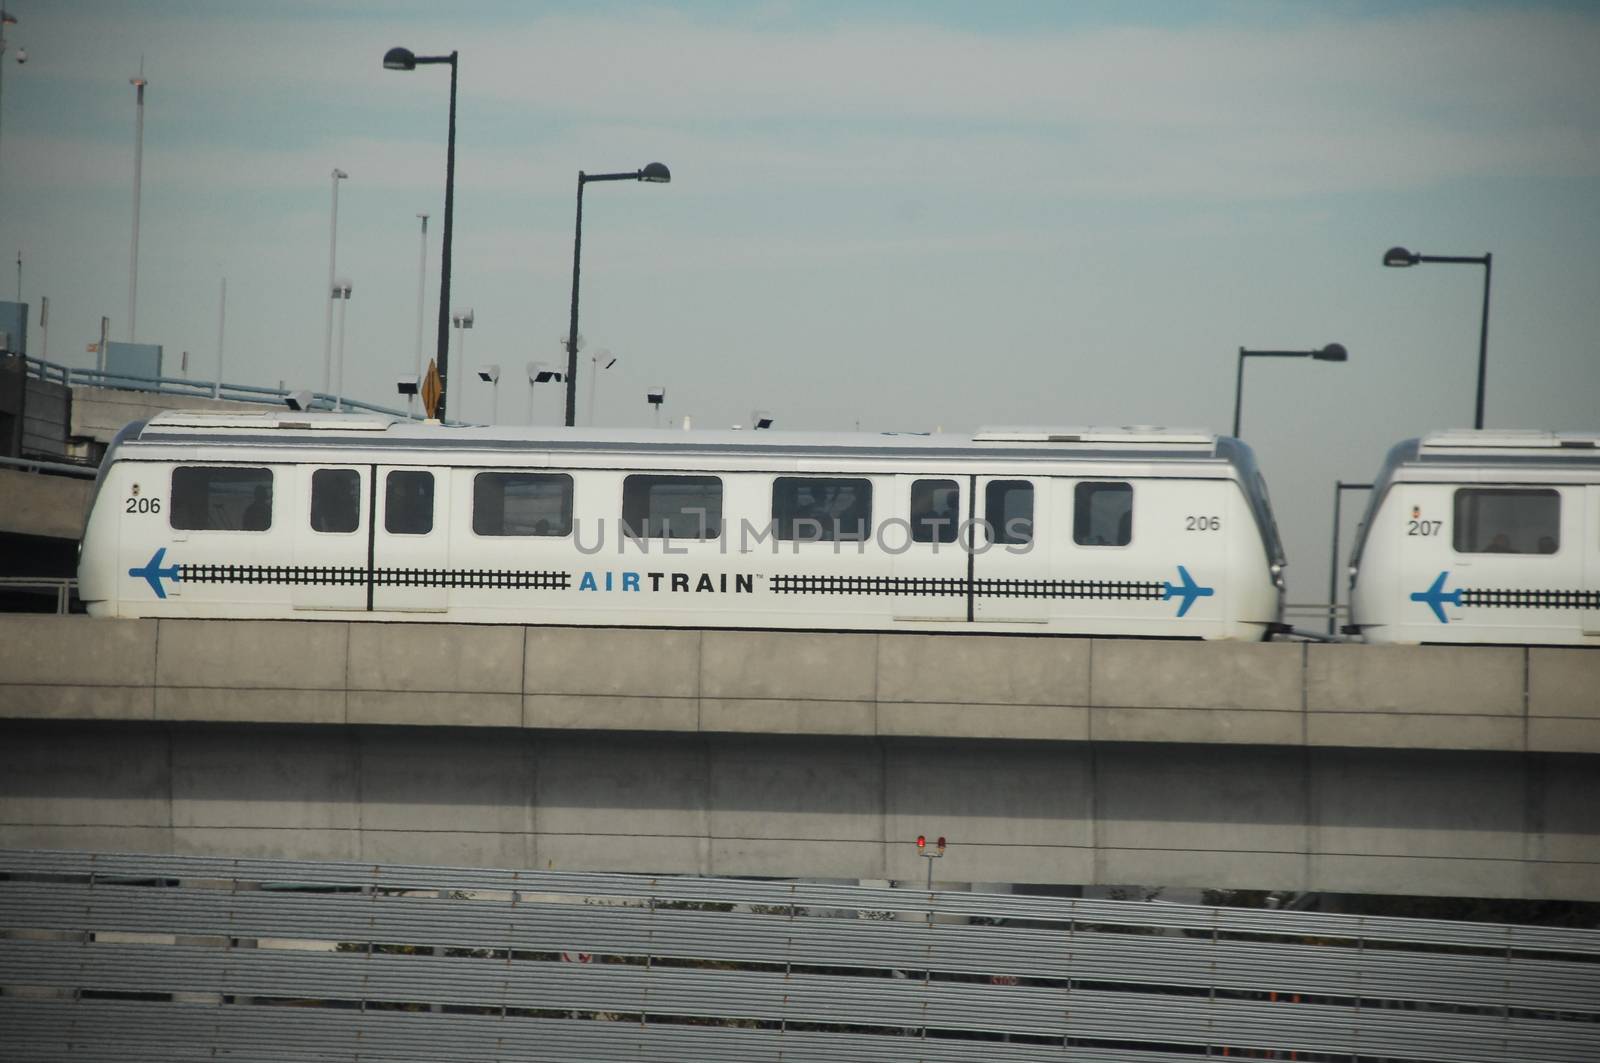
[
  {"x": 1148, "y": 532},
  {"x": 1482, "y": 536}
]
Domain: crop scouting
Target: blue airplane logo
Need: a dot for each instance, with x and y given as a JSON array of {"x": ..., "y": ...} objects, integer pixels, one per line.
[
  {"x": 1188, "y": 590},
  {"x": 154, "y": 573},
  {"x": 1436, "y": 596}
]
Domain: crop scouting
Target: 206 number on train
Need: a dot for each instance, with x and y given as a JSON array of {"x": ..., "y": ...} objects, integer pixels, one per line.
[
  {"x": 143, "y": 505},
  {"x": 1198, "y": 523}
]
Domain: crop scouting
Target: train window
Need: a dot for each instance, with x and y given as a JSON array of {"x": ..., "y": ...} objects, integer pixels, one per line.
[
  {"x": 221, "y": 499},
  {"x": 1008, "y": 509},
  {"x": 672, "y": 507},
  {"x": 1499, "y": 520},
  {"x": 335, "y": 500},
  {"x": 821, "y": 510},
  {"x": 935, "y": 511},
  {"x": 522, "y": 503},
  {"x": 408, "y": 503},
  {"x": 1102, "y": 514}
]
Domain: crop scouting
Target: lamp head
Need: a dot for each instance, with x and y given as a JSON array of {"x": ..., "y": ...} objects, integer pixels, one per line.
[
  {"x": 339, "y": 175},
  {"x": 1399, "y": 256},
  {"x": 1333, "y": 352},
  {"x": 399, "y": 59},
  {"x": 298, "y": 400},
  {"x": 656, "y": 396},
  {"x": 461, "y": 318},
  {"x": 760, "y": 419},
  {"x": 489, "y": 374},
  {"x": 539, "y": 373},
  {"x": 406, "y": 385},
  {"x": 656, "y": 173}
]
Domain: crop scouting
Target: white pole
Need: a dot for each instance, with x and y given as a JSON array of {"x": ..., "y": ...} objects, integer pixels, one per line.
[
  {"x": 494, "y": 416},
  {"x": 594, "y": 383},
  {"x": 461, "y": 348},
  {"x": 333, "y": 246},
  {"x": 422, "y": 279},
  {"x": 344, "y": 306},
  {"x": 138, "y": 174},
  {"x": 222, "y": 320}
]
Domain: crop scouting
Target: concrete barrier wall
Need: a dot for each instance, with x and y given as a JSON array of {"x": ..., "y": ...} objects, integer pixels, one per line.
[
  {"x": 794, "y": 683},
  {"x": 1256, "y": 817},
  {"x": 42, "y": 504}
]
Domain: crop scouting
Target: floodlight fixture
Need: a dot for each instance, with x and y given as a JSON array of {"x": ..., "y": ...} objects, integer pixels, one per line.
[
  {"x": 540, "y": 373},
  {"x": 489, "y": 374},
  {"x": 760, "y": 419},
  {"x": 406, "y": 385},
  {"x": 298, "y": 400}
]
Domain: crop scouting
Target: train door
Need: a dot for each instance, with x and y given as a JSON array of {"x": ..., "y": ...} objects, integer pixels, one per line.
[
  {"x": 1012, "y": 571},
  {"x": 411, "y": 540},
  {"x": 929, "y": 566},
  {"x": 330, "y": 523}
]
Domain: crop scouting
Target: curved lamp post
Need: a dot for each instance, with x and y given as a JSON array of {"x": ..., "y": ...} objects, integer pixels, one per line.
[
  {"x": 1333, "y": 352},
  {"x": 1399, "y": 257},
  {"x": 655, "y": 173},
  {"x": 403, "y": 59}
]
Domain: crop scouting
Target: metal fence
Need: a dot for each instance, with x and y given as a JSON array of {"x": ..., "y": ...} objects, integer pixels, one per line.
[{"x": 127, "y": 957}]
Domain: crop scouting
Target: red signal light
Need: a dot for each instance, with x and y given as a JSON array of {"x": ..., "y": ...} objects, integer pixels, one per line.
[
  {"x": 922, "y": 842},
  {"x": 941, "y": 843}
]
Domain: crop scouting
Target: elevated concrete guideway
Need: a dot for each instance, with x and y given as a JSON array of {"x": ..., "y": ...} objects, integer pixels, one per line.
[{"x": 1451, "y": 771}]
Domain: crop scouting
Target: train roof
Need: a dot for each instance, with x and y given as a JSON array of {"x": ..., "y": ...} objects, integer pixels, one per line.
[
  {"x": 286, "y": 427},
  {"x": 1498, "y": 446}
]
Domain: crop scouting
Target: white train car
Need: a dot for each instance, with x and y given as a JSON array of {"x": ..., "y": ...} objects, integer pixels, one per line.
[
  {"x": 1483, "y": 537},
  {"x": 1149, "y": 532}
]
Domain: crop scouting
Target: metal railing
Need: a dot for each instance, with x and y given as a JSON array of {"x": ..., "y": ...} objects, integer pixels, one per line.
[
  {"x": 73, "y": 376},
  {"x": 124, "y": 956},
  {"x": 63, "y": 468},
  {"x": 63, "y": 588}
]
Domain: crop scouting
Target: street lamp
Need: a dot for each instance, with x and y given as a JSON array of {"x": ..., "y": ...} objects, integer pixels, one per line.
[
  {"x": 333, "y": 247},
  {"x": 1333, "y": 352},
  {"x": 654, "y": 173},
  {"x": 403, "y": 59},
  {"x": 341, "y": 292},
  {"x": 540, "y": 373},
  {"x": 490, "y": 374},
  {"x": 462, "y": 319},
  {"x": 655, "y": 397},
  {"x": 1399, "y": 257},
  {"x": 601, "y": 359}
]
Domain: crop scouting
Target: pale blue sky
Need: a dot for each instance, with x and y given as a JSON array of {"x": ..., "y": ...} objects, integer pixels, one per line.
[{"x": 909, "y": 214}]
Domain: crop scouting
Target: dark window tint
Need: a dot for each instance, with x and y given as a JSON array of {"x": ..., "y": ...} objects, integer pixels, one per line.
[
  {"x": 674, "y": 507},
  {"x": 1102, "y": 514},
  {"x": 522, "y": 503},
  {"x": 935, "y": 511},
  {"x": 818, "y": 510},
  {"x": 1008, "y": 507},
  {"x": 1497, "y": 520},
  {"x": 408, "y": 503},
  {"x": 221, "y": 499},
  {"x": 335, "y": 500}
]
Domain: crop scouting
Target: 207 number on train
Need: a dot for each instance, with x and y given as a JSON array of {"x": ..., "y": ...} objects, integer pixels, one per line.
[
  {"x": 1424, "y": 527},
  {"x": 1202, "y": 523}
]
